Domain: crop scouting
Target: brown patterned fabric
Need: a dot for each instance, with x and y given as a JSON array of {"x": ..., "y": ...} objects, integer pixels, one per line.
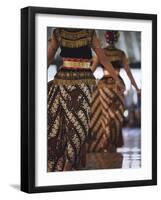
[
  {"x": 107, "y": 108},
  {"x": 74, "y": 38},
  {"x": 115, "y": 56},
  {"x": 68, "y": 117}
]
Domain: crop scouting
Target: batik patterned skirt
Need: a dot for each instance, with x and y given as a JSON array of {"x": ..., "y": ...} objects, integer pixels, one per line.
[
  {"x": 107, "y": 108},
  {"x": 69, "y": 98}
]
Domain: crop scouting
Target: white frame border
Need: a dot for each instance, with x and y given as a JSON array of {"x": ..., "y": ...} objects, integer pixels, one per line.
[{"x": 42, "y": 178}]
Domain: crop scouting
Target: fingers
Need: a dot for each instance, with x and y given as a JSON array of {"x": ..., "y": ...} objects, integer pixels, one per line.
[
  {"x": 139, "y": 93},
  {"x": 120, "y": 88}
]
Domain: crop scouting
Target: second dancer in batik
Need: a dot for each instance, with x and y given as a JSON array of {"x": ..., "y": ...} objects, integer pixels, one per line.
[{"x": 107, "y": 106}]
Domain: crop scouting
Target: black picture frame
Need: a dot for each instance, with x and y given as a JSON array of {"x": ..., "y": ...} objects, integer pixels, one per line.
[{"x": 28, "y": 98}]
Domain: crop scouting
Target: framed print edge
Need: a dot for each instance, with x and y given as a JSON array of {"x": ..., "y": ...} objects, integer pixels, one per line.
[
  {"x": 154, "y": 99},
  {"x": 28, "y": 99},
  {"x": 24, "y": 101}
]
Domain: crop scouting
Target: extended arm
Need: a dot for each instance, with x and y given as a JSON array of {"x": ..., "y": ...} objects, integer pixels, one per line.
[
  {"x": 128, "y": 71},
  {"x": 52, "y": 48},
  {"x": 94, "y": 64}
]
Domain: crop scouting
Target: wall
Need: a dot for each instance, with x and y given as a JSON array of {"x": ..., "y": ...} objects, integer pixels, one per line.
[{"x": 10, "y": 99}]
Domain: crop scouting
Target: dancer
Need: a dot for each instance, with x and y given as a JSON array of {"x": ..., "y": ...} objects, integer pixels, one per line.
[
  {"x": 69, "y": 96},
  {"x": 107, "y": 106}
]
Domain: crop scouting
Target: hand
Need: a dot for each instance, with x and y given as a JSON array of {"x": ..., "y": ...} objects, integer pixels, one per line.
[
  {"x": 120, "y": 86},
  {"x": 139, "y": 92}
]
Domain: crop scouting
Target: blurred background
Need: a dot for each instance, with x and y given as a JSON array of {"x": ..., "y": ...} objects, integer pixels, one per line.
[{"x": 128, "y": 156}]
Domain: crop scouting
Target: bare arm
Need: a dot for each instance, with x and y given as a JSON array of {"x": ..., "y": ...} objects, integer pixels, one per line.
[
  {"x": 128, "y": 71},
  {"x": 94, "y": 64},
  {"x": 103, "y": 59},
  {"x": 52, "y": 48}
]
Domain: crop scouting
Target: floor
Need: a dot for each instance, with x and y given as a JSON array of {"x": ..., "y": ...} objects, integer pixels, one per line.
[{"x": 129, "y": 156}]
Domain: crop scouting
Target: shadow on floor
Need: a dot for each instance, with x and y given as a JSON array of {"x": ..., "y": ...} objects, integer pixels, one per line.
[{"x": 15, "y": 186}]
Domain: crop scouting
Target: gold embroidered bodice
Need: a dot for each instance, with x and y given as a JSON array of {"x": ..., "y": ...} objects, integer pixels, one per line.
[{"x": 74, "y": 38}]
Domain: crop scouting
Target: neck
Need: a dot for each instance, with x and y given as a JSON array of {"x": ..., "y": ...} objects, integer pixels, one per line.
[{"x": 112, "y": 46}]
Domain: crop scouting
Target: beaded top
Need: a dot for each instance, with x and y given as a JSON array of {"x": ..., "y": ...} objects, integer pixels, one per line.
[{"x": 74, "y": 43}]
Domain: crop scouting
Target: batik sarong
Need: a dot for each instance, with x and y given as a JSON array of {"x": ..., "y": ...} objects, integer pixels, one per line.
[
  {"x": 69, "y": 98},
  {"x": 107, "y": 108}
]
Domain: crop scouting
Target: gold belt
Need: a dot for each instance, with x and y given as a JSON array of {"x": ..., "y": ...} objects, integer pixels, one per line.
[{"x": 76, "y": 64}]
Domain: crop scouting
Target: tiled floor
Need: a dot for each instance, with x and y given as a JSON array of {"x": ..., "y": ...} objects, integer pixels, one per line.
[
  {"x": 131, "y": 150},
  {"x": 129, "y": 156}
]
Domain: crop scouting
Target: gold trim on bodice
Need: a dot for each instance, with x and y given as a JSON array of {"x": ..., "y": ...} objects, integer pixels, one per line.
[
  {"x": 74, "y": 39},
  {"x": 114, "y": 54},
  {"x": 74, "y": 35},
  {"x": 75, "y": 43}
]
